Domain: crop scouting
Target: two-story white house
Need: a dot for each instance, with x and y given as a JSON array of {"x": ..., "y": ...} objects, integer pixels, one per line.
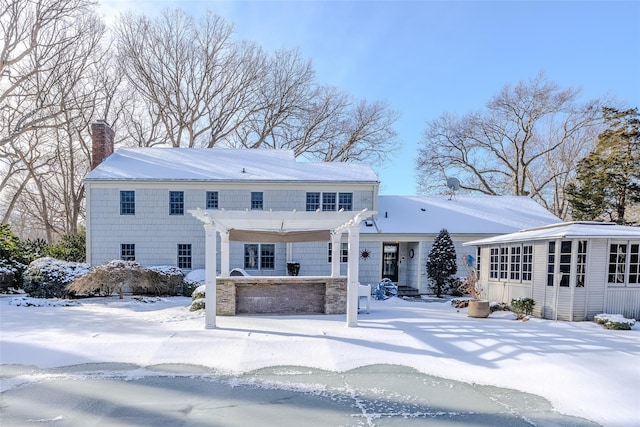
[{"x": 140, "y": 203}]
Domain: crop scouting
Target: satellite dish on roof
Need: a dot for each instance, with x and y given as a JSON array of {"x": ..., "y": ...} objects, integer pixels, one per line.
[{"x": 454, "y": 185}]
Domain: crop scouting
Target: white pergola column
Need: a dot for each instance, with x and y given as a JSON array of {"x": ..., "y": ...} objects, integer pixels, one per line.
[
  {"x": 224, "y": 254},
  {"x": 352, "y": 275},
  {"x": 210, "y": 275},
  {"x": 335, "y": 254}
]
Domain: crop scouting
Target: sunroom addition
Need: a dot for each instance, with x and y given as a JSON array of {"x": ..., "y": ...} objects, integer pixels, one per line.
[{"x": 572, "y": 270}]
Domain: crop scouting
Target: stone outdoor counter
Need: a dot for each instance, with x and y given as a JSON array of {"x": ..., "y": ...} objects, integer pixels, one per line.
[{"x": 281, "y": 295}]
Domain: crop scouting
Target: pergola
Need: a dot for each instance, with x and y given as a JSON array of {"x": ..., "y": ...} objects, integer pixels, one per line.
[{"x": 280, "y": 226}]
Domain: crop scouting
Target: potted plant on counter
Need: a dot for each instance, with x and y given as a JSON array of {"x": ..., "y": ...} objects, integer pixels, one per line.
[{"x": 293, "y": 268}]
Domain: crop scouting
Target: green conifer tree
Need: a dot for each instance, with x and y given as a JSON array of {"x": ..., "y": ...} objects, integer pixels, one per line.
[
  {"x": 441, "y": 264},
  {"x": 608, "y": 179}
]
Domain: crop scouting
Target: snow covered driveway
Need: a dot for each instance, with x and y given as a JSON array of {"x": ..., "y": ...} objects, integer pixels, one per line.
[{"x": 585, "y": 371}]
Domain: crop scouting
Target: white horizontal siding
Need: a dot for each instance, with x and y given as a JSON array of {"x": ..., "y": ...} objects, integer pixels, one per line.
[{"x": 625, "y": 301}]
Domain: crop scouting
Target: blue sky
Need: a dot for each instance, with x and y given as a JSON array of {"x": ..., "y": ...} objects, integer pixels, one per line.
[{"x": 430, "y": 57}]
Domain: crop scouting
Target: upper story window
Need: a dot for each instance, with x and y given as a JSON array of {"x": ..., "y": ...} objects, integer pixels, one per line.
[
  {"x": 345, "y": 201},
  {"x": 127, "y": 203},
  {"x": 256, "y": 200},
  {"x": 328, "y": 201},
  {"x": 624, "y": 264},
  {"x": 176, "y": 202},
  {"x": 313, "y": 202},
  {"x": 128, "y": 251},
  {"x": 212, "y": 200}
]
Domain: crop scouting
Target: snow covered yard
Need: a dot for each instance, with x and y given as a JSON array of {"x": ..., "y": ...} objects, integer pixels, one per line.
[{"x": 584, "y": 369}]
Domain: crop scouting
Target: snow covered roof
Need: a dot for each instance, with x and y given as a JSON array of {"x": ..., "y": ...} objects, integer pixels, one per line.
[
  {"x": 459, "y": 215},
  {"x": 218, "y": 164},
  {"x": 567, "y": 230}
]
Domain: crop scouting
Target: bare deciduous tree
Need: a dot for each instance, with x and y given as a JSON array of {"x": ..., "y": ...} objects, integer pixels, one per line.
[
  {"x": 52, "y": 93},
  {"x": 37, "y": 47},
  {"x": 199, "y": 88},
  {"x": 525, "y": 142}
]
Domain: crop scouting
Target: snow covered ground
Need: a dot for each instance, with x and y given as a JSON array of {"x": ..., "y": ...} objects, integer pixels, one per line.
[{"x": 583, "y": 369}]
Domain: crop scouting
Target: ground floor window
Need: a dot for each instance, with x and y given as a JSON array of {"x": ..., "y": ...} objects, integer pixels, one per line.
[
  {"x": 493, "y": 263},
  {"x": 527, "y": 263},
  {"x": 624, "y": 263},
  {"x": 184, "y": 256},
  {"x": 259, "y": 256},
  {"x": 581, "y": 264},
  {"x": 511, "y": 262},
  {"x": 128, "y": 251},
  {"x": 344, "y": 252},
  {"x": 565, "y": 259}
]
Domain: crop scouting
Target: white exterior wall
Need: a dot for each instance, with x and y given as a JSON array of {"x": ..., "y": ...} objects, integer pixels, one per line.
[
  {"x": 539, "y": 276},
  {"x": 156, "y": 234},
  {"x": 568, "y": 303}
]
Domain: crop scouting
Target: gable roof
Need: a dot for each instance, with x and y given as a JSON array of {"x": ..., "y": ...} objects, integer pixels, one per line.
[
  {"x": 567, "y": 230},
  {"x": 459, "y": 215},
  {"x": 220, "y": 164}
]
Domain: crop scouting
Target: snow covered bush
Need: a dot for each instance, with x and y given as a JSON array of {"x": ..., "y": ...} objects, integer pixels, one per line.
[
  {"x": 191, "y": 281},
  {"x": 49, "y": 277},
  {"x": 159, "y": 280},
  {"x": 522, "y": 307},
  {"x": 120, "y": 276},
  {"x": 197, "y": 298},
  {"x": 614, "y": 321}
]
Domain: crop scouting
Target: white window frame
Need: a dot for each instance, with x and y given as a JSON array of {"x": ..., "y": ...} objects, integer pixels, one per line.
[
  {"x": 344, "y": 252},
  {"x": 627, "y": 261}
]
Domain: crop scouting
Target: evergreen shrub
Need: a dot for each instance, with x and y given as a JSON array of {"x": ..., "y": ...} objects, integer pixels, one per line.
[
  {"x": 522, "y": 307},
  {"x": 614, "y": 321},
  {"x": 49, "y": 277}
]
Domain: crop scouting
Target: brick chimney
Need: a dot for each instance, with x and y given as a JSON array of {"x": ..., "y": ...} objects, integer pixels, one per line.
[{"x": 102, "y": 136}]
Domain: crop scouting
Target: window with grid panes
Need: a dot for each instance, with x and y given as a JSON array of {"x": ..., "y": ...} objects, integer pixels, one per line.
[
  {"x": 527, "y": 262},
  {"x": 344, "y": 252},
  {"x": 127, "y": 203},
  {"x": 515, "y": 263},
  {"x": 184, "y": 256},
  {"x": 328, "y": 201},
  {"x": 345, "y": 201},
  {"x": 128, "y": 251},
  {"x": 212, "y": 200},
  {"x": 313, "y": 202},
  {"x": 494, "y": 258},
  {"x": 581, "y": 264},
  {"x": 176, "y": 202},
  {"x": 504, "y": 262},
  {"x": 256, "y": 200}
]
